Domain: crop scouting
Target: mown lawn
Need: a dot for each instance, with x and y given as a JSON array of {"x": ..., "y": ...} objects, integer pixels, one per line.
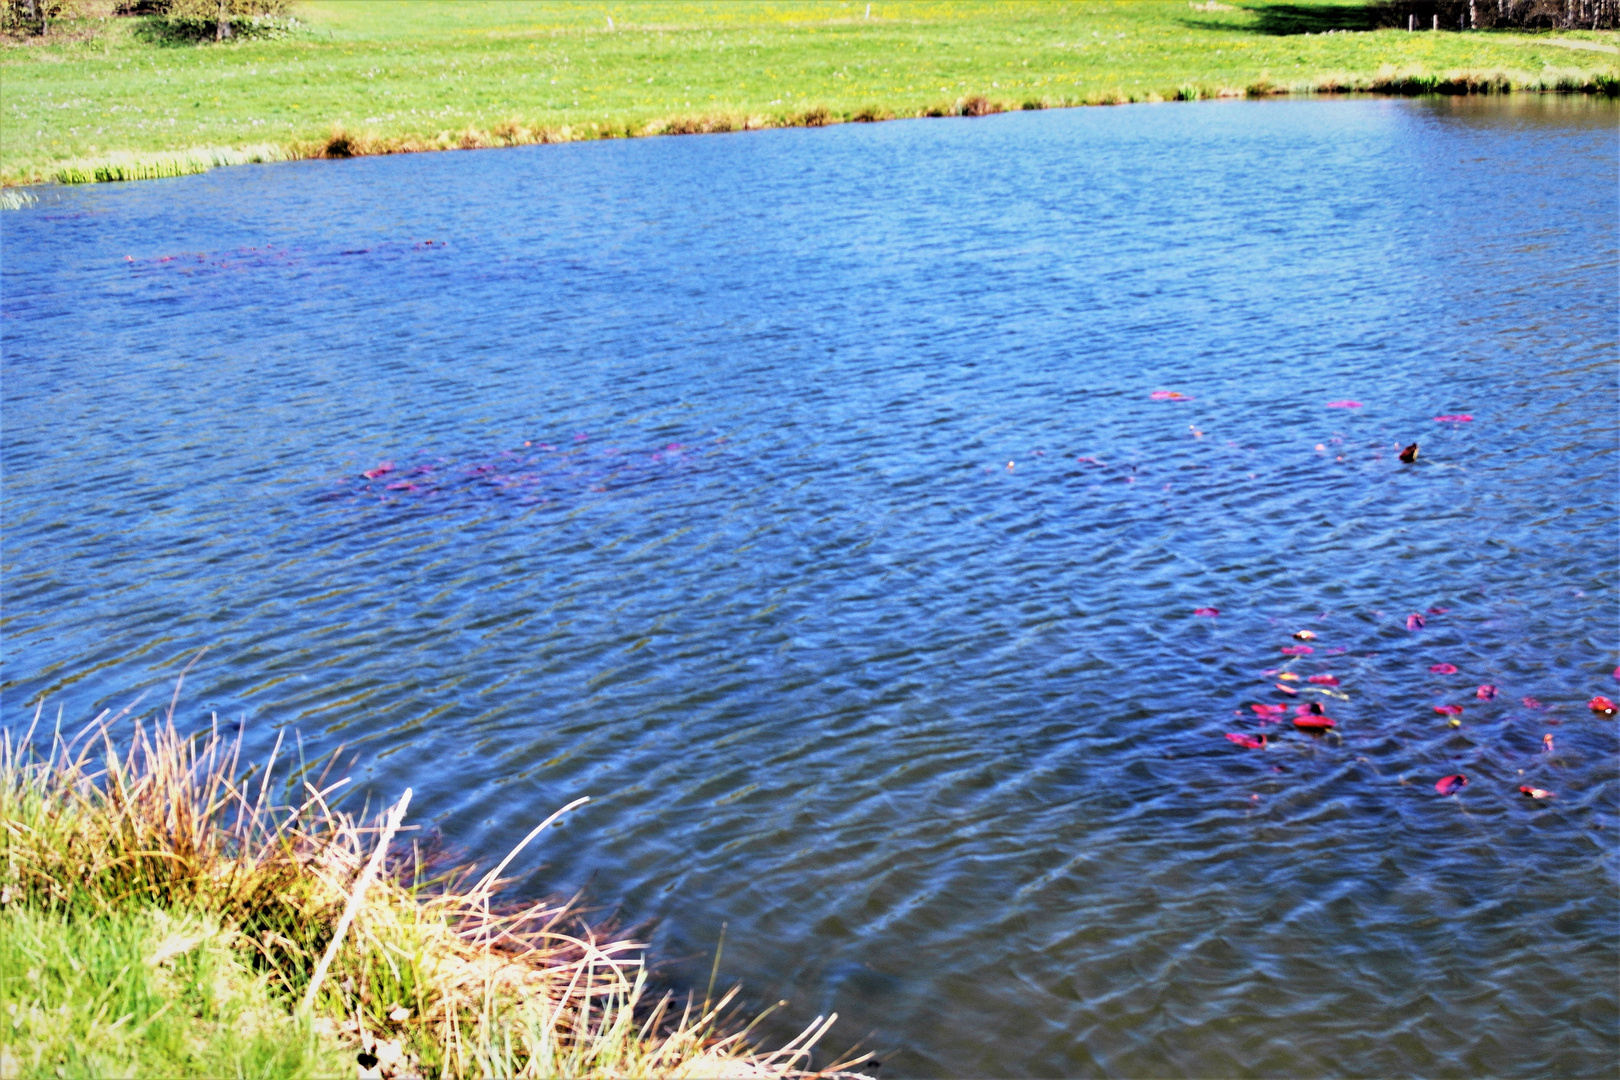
[{"x": 392, "y": 70}]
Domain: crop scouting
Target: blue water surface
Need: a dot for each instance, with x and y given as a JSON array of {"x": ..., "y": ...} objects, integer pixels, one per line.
[{"x": 802, "y": 498}]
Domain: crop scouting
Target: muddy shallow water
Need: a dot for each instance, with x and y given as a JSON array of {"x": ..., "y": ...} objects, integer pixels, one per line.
[{"x": 804, "y": 499}]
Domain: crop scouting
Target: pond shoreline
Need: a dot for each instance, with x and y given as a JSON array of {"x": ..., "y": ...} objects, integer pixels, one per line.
[{"x": 343, "y": 143}]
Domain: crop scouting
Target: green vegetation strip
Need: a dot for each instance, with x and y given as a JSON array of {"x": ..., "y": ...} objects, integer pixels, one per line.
[{"x": 108, "y": 95}]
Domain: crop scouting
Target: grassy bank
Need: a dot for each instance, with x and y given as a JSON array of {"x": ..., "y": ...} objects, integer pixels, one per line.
[
  {"x": 365, "y": 76},
  {"x": 164, "y": 915}
]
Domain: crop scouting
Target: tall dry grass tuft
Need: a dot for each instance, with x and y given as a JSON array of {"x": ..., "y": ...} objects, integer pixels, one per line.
[{"x": 427, "y": 973}]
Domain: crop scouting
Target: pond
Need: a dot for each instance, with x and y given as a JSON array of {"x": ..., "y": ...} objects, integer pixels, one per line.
[{"x": 885, "y": 526}]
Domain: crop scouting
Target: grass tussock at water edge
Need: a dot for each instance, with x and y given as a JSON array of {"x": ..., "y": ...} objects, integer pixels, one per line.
[
  {"x": 131, "y": 166},
  {"x": 169, "y": 912},
  {"x": 344, "y": 143}
]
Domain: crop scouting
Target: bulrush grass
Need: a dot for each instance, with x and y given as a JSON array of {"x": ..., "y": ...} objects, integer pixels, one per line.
[{"x": 169, "y": 911}]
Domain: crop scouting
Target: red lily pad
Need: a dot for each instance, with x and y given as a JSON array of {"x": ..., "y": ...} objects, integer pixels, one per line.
[
  {"x": 1447, "y": 784},
  {"x": 1169, "y": 395},
  {"x": 1248, "y": 742},
  {"x": 381, "y": 469},
  {"x": 1415, "y": 622},
  {"x": 1325, "y": 680},
  {"x": 1285, "y": 688},
  {"x": 1530, "y": 703},
  {"x": 1313, "y": 723},
  {"x": 1486, "y": 692},
  {"x": 1344, "y": 404},
  {"x": 1601, "y": 704},
  {"x": 1269, "y": 710},
  {"x": 1207, "y": 612},
  {"x": 1443, "y": 669},
  {"x": 1455, "y": 418},
  {"x": 1535, "y": 792},
  {"x": 1448, "y": 710},
  {"x": 1297, "y": 650}
]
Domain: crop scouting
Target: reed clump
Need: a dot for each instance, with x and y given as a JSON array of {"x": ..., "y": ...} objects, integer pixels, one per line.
[
  {"x": 334, "y": 932},
  {"x": 131, "y": 166}
]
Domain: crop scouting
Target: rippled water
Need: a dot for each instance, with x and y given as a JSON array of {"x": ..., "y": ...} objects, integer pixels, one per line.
[{"x": 801, "y": 497}]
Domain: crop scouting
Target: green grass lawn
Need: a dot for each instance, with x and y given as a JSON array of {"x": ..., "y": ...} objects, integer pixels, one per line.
[
  {"x": 425, "y": 72},
  {"x": 140, "y": 992}
]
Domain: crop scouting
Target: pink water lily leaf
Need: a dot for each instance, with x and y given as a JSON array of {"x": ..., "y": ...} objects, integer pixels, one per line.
[
  {"x": 381, "y": 469},
  {"x": 1248, "y": 742},
  {"x": 1530, "y": 703},
  {"x": 1269, "y": 710},
  {"x": 1443, "y": 669},
  {"x": 1455, "y": 418},
  {"x": 1310, "y": 722},
  {"x": 1486, "y": 692},
  {"x": 1324, "y": 680},
  {"x": 1169, "y": 395},
  {"x": 1207, "y": 612},
  {"x": 1449, "y": 710},
  {"x": 1297, "y": 650},
  {"x": 1415, "y": 622},
  {"x": 1344, "y": 404},
  {"x": 1447, "y": 784}
]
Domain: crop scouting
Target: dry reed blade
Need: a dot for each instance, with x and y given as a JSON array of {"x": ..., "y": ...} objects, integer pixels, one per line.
[{"x": 356, "y": 897}]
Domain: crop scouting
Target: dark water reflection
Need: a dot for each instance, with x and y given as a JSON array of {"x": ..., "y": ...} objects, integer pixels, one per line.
[{"x": 805, "y": 578}]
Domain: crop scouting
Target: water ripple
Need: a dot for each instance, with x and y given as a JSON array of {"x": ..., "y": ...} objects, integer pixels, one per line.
[{"x": 802, "y": 497}]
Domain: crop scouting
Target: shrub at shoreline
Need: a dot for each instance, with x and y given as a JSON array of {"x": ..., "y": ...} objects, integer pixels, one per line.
[{"x": 166, "y": 914}]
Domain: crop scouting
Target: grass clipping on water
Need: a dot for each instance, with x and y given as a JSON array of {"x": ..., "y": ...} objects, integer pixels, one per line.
[{"x": 167, "y": 914}]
